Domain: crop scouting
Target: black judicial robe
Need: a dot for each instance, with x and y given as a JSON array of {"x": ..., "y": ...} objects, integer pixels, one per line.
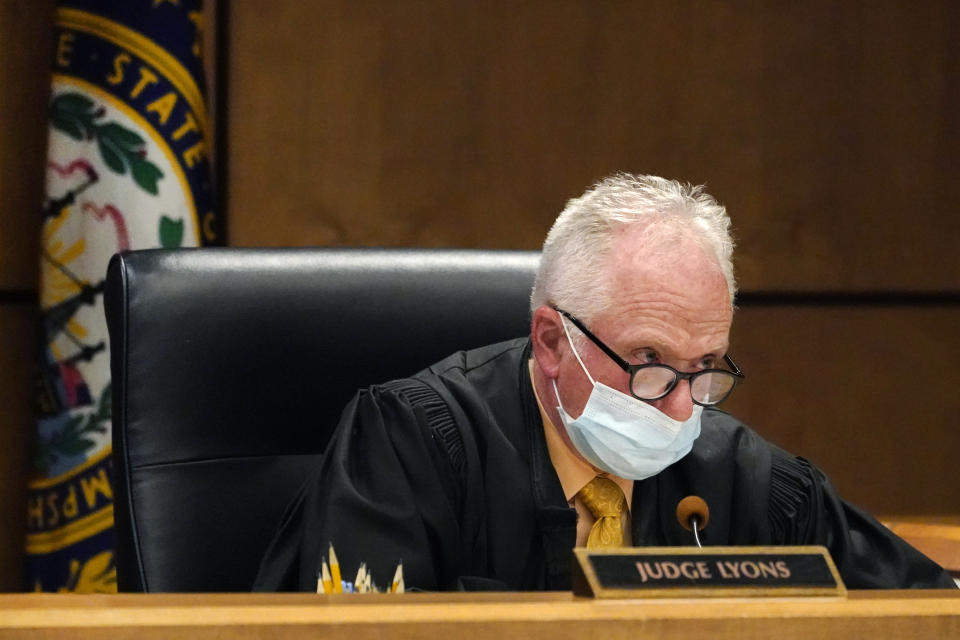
[{"x": 448, "y": 472}]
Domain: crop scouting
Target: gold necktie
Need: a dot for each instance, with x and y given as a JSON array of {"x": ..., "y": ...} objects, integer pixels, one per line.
[{"x": 604, "y": 498}]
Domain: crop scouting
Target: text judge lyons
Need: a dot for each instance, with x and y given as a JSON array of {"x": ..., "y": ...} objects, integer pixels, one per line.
[{"x": 486, "y": 469}]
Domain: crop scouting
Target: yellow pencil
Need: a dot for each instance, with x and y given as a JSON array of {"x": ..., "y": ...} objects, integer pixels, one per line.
[
  {"x": 320, "y": 584},
  {"x": 327, "y": 580},
  {"x": 335, "y": 571}
]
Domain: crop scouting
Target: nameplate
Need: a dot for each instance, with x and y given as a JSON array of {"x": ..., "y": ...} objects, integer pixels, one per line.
[{"x": 678, "y": 572}]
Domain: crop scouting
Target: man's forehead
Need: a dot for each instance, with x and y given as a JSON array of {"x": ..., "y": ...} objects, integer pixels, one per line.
[
  {"x": 694, "y": 288},
  {"x": 674, "y": 334},
  {"x": 676, "y": 301},
  {"x": 682, "y": 262}
]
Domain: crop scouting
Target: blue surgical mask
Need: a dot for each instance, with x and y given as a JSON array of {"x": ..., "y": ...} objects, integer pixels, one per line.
[{"x": 626, "y": 436}]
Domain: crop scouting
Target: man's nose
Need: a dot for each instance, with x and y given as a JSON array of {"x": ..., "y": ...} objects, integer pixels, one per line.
[{"x": 677, "y": 404}]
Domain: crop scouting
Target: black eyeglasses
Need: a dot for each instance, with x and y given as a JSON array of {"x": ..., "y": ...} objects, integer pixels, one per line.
[{"x": 648, "y": 382}]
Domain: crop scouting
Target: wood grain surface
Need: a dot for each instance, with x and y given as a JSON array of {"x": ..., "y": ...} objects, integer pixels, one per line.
[
  {"x": 26, "y": 37},
  {"x": 828, "y": 129},
  {"x": 933, "y": 614},
  {"x": 17, "y": 329}
]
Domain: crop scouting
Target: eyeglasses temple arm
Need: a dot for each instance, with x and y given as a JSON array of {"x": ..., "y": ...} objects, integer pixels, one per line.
[
  {"x": 607, "y": 350},
  {"x": 733, "y": 367}
]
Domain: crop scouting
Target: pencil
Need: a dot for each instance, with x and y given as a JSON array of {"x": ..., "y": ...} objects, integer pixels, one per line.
[
  {"x": 397, "y": 586},
  {"x": 335, "y": 571},
  {"x": 358, "y": 581}
]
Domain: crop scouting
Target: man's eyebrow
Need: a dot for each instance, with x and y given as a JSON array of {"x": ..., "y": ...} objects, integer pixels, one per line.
[
  {"x": 661, "y": 350},
  {"x": 719, "y": 352}
]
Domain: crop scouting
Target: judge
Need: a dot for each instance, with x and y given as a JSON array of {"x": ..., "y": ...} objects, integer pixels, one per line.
[{"x": 486, "y": 469}]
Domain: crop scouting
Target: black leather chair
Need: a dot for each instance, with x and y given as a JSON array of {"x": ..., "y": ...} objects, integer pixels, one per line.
[{"x": 230, "y": 368}]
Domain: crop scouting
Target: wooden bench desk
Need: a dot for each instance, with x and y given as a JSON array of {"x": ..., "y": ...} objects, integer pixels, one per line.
[{"x": 489, "y": 616}]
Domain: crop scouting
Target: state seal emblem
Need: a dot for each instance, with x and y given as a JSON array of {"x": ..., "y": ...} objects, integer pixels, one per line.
[{"x": 127, "y": 169}]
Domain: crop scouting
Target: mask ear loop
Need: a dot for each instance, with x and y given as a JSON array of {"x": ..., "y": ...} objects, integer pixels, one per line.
[{"x": 563, "y": 323}]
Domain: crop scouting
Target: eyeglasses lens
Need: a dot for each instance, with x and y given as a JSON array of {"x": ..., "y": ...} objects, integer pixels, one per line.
[
  {"x": 652, "y": 382},
  {"x": 713, "y": 387}
]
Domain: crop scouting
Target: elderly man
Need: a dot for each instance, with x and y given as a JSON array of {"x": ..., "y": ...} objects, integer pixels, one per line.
[{"x": 486, "y": 469}]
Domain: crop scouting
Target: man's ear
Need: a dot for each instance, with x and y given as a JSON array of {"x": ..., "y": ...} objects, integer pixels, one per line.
[{"x": 548, "y": 338}]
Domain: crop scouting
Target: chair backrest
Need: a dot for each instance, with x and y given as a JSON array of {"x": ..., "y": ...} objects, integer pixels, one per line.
[{"x": 231, "y": 366}]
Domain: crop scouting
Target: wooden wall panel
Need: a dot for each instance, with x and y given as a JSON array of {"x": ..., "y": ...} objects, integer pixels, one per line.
[
  {"x": 17, "y": 325},
  {"x": 25, "y": 53},
  {"x": 859, "y": 106},
  {"x": 868, "y": 394},
  {"x": 25, "y": 40},
  {"x": 829, "y": 129}
]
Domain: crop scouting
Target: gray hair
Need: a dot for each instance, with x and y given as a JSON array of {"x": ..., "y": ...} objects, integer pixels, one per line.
[{"x": 572, "y": 272}]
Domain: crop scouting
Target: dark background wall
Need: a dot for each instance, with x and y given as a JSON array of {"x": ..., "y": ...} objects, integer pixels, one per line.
[
  {"x": 25, "y": 40},
  {"x": 829, "y": 129}
]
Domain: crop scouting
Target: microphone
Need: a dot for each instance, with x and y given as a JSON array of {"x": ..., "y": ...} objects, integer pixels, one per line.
[{"x": 693, "y": 514}]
